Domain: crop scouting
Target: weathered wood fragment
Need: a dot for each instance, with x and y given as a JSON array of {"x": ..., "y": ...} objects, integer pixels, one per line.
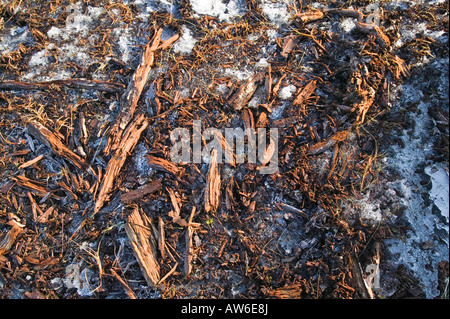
[
  {"x": 309, "y": 16},
  {"x": 327, "y": 143},
  {"x": 140, "y": 192},
  {"x": 189, "y": 246},
  {"x": 305, "y": 93},
  {"x": 143, "y": 243},
  {"x": 132, "y": 94},
  {"x": 52, "y": 141},
  {"x": 246, "y": 91},
  {"x": 357, "y": 276},
  {"x": 129, "y": 139},
  {"x": 70, "y": 83},
  {"x": 288, "y": 121},
  {"x": 370, "y": 28},
  {"x": 162, "y": 164},
  {"x": 36, "y": 186},
  {"x": 8, "y": 239},
  {"x": 289, "y": 44},
  {"x": 212, "y": 191}
]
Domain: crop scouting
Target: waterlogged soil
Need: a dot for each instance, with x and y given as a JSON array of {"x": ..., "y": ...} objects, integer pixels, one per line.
[{"x": 357, "y": 209}]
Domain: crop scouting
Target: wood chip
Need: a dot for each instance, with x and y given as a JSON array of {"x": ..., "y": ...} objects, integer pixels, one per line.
[
  {"x": 162, "y": 164},
  {"x": 129, "y": 139},
  {"x": 289, "y": 44},
  {"x": 52, "y": 141},
  {"x": 143, "y": 243},
  {"x": 328, "y": 143},
  {"x": 132, "y": 94},
  {"x": 8, "y": 239},
  {"x": 212, "y": 191},
  {"x": 305, "y": 93},
  {"x": 141, "y": 192},
  {"x": 309, "y": 16},
  {"x": 246, "y": 91}
]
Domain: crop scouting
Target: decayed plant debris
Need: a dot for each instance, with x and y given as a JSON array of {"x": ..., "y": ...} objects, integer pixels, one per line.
[{"x": 74, "y": 190}]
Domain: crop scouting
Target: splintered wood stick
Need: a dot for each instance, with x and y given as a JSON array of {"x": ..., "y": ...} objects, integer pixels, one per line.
[
  {"x": 212, "y": 191},
  {"x": 138, "y": 229},
  {"x": 161, "y": 238},
  {"x": 53, "y": 142},
  {"x": 358, "y": 278},
  {"x": 133, "y": 92},
  {"x": 127, "y": 143},
  {"x": 36, "y": 186},
  {"x": 70, "y": 83}
]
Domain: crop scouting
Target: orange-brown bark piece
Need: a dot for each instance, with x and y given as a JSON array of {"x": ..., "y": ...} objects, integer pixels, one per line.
[
  {"x": 212, "y": 191},
  {"x": 127, "y": 143},
  {"x": 133, "y": 92},
  {"x": 8, "y": 239},
  {"x": 141, "y": 191},
  {"x": 246, "y": 91},
  {"x": 52, "y": 141},
  {"x": 305, "y": 93},
  {"x": 162, "y": 164},
  {"x": 143, "y": 243}
]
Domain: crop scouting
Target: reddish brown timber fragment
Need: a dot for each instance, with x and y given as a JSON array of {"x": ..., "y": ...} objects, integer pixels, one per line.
[
  {"x": 138, "y": 229},
  {"x": 309, "y": 16},
  {"x": 140, "y": 191},
  {"x": 328, "y": 143},
  {"x": 52, "y": 141},
  {"x": 162, "y": 164},
  {"x": 133, "y": 92},
  {"x": 8, "y": 239},
  {"x": 246, "y": 91},
  {"x": 212, "y": 191},
  {"x": 129, "y": 139},
  {"x": 305, "y": 93}
]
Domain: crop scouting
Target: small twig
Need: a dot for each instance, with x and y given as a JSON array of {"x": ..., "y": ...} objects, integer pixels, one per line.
[
  {"x": 127, "y": 288},
  {"x": 70, "y": 83}
]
